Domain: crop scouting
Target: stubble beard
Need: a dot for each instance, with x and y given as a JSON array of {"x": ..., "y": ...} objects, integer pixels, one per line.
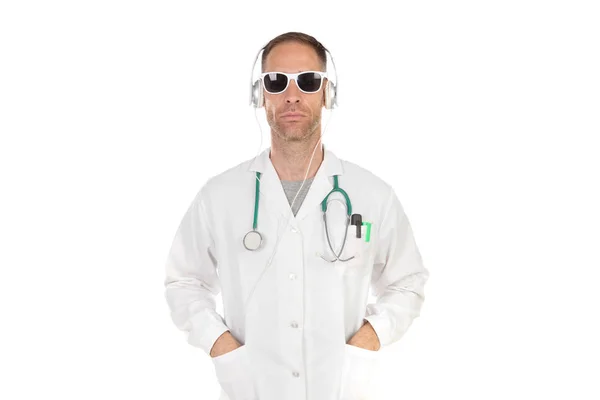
[{"x": 298, "y": 132}]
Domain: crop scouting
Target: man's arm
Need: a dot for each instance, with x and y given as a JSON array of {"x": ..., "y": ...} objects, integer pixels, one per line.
[
  {"x": 192, "y": 283},
  {"x": 398, "y": 278}
]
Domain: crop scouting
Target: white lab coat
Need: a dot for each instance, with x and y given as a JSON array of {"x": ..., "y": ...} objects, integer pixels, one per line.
[{"x": 296, "y": 324}]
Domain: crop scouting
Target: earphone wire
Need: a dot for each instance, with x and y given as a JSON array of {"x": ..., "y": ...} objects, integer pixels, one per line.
[
  {"x": 287, "y": 224},
  {"x": 333, "y": 103}
]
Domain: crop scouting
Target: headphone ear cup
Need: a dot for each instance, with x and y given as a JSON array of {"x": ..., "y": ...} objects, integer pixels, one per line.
[
  {"x": 330, "y": 95},
  {"x": 257, "y": 94},
  {"x": 261, "y": 95}
]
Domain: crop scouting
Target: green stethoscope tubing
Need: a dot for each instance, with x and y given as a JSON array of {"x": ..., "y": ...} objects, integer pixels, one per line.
[
  {"x": 336, "y": 188},
  {"x": 256, "y": 200}
]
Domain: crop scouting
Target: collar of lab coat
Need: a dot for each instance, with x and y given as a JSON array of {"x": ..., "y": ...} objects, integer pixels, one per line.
[{"x": 271, "y": 189}]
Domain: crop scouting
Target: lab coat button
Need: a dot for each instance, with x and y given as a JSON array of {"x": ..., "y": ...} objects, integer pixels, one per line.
[
  {"x": 296, "y": 374},
  {"x": 292, "y": 276},
  {"x": 294, "y": 324},
  {"x": 294, "y": 230}
]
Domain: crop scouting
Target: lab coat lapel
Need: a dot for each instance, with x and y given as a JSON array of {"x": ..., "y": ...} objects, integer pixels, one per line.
[
  {"x": 272, "y": 190},
  {"x": 321, "y": 185}
]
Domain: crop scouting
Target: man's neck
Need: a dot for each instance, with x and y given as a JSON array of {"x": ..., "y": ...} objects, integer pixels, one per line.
[{"x": 291, "y": 159}]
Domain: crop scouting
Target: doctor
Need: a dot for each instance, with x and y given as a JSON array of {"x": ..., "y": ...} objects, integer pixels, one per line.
[{"x": 293, "y": 239}]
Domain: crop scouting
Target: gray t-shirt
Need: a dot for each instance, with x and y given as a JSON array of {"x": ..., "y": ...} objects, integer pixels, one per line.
[{"x": 291, "y": 188}]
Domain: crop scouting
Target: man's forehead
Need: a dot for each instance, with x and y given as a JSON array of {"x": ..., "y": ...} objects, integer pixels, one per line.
[
  {"x": 290, "y": 70},
  {"x": 292, "y": 58}
]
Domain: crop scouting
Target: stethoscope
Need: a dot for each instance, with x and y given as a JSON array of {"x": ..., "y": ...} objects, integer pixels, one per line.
[{"x": 253, "y": 239}]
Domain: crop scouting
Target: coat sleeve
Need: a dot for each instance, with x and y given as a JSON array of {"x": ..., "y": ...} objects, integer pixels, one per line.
[
  {"x": 398, "y": 277},
  {"x": 192, "y": 283}
]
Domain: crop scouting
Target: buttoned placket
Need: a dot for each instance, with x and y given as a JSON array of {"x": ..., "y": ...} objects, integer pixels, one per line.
[{"x": 296, "y": 290}]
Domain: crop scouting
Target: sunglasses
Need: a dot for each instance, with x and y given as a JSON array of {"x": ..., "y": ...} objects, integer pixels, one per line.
[{"x": 307, "y": 81}]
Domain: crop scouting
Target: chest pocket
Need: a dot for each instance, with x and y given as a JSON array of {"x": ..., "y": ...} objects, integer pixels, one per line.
[
  {"x": 359, "y": 249},
  {"x": 357, "y": 252}
]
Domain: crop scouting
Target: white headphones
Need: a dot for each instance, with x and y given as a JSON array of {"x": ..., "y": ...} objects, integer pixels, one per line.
[{"x": 256, "y": 89}]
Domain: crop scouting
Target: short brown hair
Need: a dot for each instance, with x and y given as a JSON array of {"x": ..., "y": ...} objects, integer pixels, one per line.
[{"x": 298, "y": 37}]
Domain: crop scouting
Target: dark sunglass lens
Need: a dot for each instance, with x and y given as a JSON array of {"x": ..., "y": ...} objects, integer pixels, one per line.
[
  {"x": 309, "y": 81},
  {"x": 275, "y": 82}
]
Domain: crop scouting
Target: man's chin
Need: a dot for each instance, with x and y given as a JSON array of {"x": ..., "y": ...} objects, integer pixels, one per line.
[{"x": 293, "y": 134}]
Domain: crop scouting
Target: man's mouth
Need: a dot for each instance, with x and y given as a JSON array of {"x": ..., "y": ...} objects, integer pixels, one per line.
[{"x": 292, "y": 115}]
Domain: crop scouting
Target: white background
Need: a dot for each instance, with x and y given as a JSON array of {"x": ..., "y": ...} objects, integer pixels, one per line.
[{"x": 483, "y": 115}]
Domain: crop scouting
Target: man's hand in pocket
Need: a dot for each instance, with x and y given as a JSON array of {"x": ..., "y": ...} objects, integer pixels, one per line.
[
  {"x": 224, "y": 344},
  {"x": 366, "y": 338}
]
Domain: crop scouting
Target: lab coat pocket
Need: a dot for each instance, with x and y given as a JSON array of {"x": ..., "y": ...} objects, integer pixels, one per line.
[
  {"x": 357, "y": 248},
  {"x": 358, "y": 368},
  {"x": 235, "y": 375}
]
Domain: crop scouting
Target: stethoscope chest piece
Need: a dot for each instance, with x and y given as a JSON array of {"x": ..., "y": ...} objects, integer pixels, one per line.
[{"x": 252, "y": 240}]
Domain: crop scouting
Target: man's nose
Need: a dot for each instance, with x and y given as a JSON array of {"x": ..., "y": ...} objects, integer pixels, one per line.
[{"x": 292, "y": 94}]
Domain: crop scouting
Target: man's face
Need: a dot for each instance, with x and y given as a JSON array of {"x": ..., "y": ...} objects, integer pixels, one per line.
[{"x": 292, "y": 57}]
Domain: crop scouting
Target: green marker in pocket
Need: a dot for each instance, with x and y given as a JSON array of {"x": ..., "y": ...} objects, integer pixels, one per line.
[{"x": 368, "y": 235}]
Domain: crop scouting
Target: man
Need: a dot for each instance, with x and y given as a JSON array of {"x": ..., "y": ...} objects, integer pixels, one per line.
[{"x": 296, "y": 322}]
